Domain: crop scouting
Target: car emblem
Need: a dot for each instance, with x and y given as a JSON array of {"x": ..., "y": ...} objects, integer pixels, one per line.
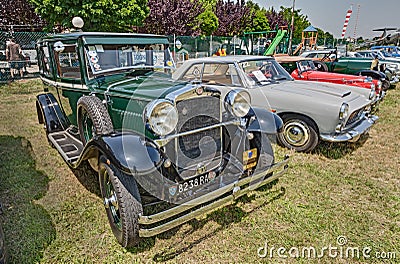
[
  {"x": 201, "y": 168},
  {"x": 199, "y": 90},
  {"x": 184, "y": 111},
  {"x": 172, "y": 190}
]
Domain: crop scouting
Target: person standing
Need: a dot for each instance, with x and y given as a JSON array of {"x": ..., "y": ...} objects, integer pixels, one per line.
[
  {"x": 13, "y": 55},
  {"x": 375, "y": 63}
]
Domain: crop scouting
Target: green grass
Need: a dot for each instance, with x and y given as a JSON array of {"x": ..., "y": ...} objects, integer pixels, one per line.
[{"x": 54, "y": 215}]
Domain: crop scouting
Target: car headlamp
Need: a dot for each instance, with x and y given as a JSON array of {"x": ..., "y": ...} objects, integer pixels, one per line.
[
  {"x": 344, "y": 111},
  {"x": 161, "y": 116},
  {"x": 238, "y": 103}
]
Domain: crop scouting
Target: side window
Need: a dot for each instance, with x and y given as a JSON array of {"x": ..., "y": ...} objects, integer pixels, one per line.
[
  {"x": 44, "y": 61},
  {"x": 68, "y": 63},
  {"x": 193, "y": 73}
]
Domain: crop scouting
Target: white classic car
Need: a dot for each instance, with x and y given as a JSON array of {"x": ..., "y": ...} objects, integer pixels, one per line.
[{"x": 311, "y": 111}]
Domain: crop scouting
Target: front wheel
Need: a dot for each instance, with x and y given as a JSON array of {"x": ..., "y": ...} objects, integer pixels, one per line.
[
  {"x": 122, "y": 203},
  {"x": 299, "y": 133}
]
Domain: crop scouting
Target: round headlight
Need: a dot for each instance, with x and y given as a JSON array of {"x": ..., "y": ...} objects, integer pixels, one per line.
[
  {"x": 238, "y": 103},
  {"x": 344, "y": 111},
  {"x": 161, "y": 116}
]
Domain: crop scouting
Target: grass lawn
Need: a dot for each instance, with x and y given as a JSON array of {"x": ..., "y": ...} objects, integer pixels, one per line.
[{"x": 342, "y": 195}]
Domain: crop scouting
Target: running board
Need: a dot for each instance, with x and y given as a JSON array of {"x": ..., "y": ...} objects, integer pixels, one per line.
[{"x": 69, "y": 146}]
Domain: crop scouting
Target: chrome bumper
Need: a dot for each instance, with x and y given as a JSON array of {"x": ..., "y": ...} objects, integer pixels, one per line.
[
  {"x": 352, "y": 134},
  {"x": 234, "y": 190}
]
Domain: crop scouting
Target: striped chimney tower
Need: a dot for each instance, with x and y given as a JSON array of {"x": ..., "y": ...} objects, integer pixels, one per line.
[{"x": 346, "y": 21}]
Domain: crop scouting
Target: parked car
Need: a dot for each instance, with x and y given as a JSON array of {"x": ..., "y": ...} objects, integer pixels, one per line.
[
  {"x": 355, "y": 65},
  {"x": 304, "y": 69},
  {"x": 388, "y": 51},
  {"x": 165, "y": 151},
  {"x": 311, "y": 111},
  {"x": 391, "y": 63}
]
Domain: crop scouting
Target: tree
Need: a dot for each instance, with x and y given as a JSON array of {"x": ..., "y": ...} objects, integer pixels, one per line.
[
  {"x": 233, "y": 18},
  {"x": 99, "y": 15},
  {"x": 275, "y": 19},
  {"x": 260, "y": 22},
  {"x": 300, "y": 21},
  {"x": 19, "y": 15},
  {"x": 168, "y": 17},
  {"x": 208, "y": 22}
]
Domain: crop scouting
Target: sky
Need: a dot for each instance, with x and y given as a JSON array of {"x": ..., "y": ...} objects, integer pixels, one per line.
[{"x": 329, "y": 15}]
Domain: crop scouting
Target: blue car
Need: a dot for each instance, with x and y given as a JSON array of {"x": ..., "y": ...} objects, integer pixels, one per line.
[{"x": 388, "y": 51}]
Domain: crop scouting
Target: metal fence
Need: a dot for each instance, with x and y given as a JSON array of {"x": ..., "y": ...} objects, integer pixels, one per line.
[
  {"x": 28, "y": 62},
  {"x": 182, "y": 47}
]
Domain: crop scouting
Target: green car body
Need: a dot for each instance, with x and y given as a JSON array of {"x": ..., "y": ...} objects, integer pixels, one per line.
[{"x": 110, "y": 103}]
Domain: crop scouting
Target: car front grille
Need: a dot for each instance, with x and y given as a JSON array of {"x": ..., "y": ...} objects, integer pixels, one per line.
[
  {"x": 354, "y": 117},
  {"x": 201, "y": 151}
]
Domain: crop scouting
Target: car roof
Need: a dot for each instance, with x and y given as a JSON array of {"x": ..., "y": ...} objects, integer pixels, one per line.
[
  {"x": 79, "y": 34},
  {"x": 287, "y": 58},
  {"x": 229, "y": 58}
]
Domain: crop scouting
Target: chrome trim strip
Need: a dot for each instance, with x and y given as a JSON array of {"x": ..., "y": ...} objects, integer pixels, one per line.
[
  {"x": 164, "y": 141},
  {"x": 62, "y": 84},
  {"x": 236, "y": 192}
]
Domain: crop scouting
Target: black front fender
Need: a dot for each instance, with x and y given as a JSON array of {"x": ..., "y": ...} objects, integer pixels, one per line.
[
  {"x": 49, "y": 113},
  {"x": 129, "y": 152},
  {"x": 264, "y": 121}
]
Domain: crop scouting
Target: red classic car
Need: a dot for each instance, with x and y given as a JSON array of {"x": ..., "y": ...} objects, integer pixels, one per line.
[{"x": 305, "y": 69}]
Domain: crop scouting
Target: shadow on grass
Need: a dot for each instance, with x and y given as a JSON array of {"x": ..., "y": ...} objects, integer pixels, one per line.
[
  {"x": 27, "y": 226},
  {"x": 88, "y": 178},
  {"x": 339, "y": 150},
  {"x": 224, "y": 216}
]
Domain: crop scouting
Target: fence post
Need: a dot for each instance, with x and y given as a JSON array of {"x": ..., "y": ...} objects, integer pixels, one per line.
[{"x": 211, "y": 47}]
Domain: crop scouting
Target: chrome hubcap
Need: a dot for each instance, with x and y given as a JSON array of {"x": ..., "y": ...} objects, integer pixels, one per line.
[{"x": 296, "y": 133}]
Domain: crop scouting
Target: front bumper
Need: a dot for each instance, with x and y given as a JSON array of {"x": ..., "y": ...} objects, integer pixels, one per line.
[
  {"x": 208, "y": 202},
  {"x": 352, "y": 134}
]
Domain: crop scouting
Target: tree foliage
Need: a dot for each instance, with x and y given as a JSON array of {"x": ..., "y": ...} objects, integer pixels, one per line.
[
  {"x": 208, "y": 22},
  {"x": 99, "y": 15},
  {"x": 300, "y": 21},
  {"x": 170, "y": 17},
  {"x": 259, "y": 22},
  {"x": 19, "y": 15},
  {"x": 276, "y": 19},
  {"x": 233, "y": 18}
]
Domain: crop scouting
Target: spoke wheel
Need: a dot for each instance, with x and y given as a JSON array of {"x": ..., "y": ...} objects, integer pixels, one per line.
[
  {"x": 122, "y": 203},
  {"x": 299, "y": 133}
]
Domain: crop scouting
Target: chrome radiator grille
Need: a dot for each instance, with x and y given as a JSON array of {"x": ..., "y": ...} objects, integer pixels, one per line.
[
  {"x": 201, "y": 149},
  {"x": 354, "y": 117}
]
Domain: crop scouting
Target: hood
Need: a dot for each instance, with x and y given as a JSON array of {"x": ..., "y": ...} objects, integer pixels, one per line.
[
  {"x": 313, "y": 89},
  {"x": 318, "y": 75},
  {"x": 150, "y": 87}
]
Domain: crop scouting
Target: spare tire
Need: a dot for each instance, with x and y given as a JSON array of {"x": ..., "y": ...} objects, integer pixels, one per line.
[
  {"x": 321, "y": 66},
  {"x": 93, "y": 118}
]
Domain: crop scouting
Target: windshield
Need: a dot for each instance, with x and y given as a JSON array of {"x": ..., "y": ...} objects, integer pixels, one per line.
[
  {"x": 261, "y": 72},
  {"x": 306, "y": 66},
  {"x": 116, "y": 57}
]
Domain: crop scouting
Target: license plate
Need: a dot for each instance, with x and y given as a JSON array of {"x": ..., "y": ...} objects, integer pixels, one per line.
[
  {"x": 198, "y": 181},
  {"x": 249, "y": 158}
]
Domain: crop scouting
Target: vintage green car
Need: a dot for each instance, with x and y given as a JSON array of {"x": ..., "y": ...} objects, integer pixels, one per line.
[{"x": 165, "y": 151}]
